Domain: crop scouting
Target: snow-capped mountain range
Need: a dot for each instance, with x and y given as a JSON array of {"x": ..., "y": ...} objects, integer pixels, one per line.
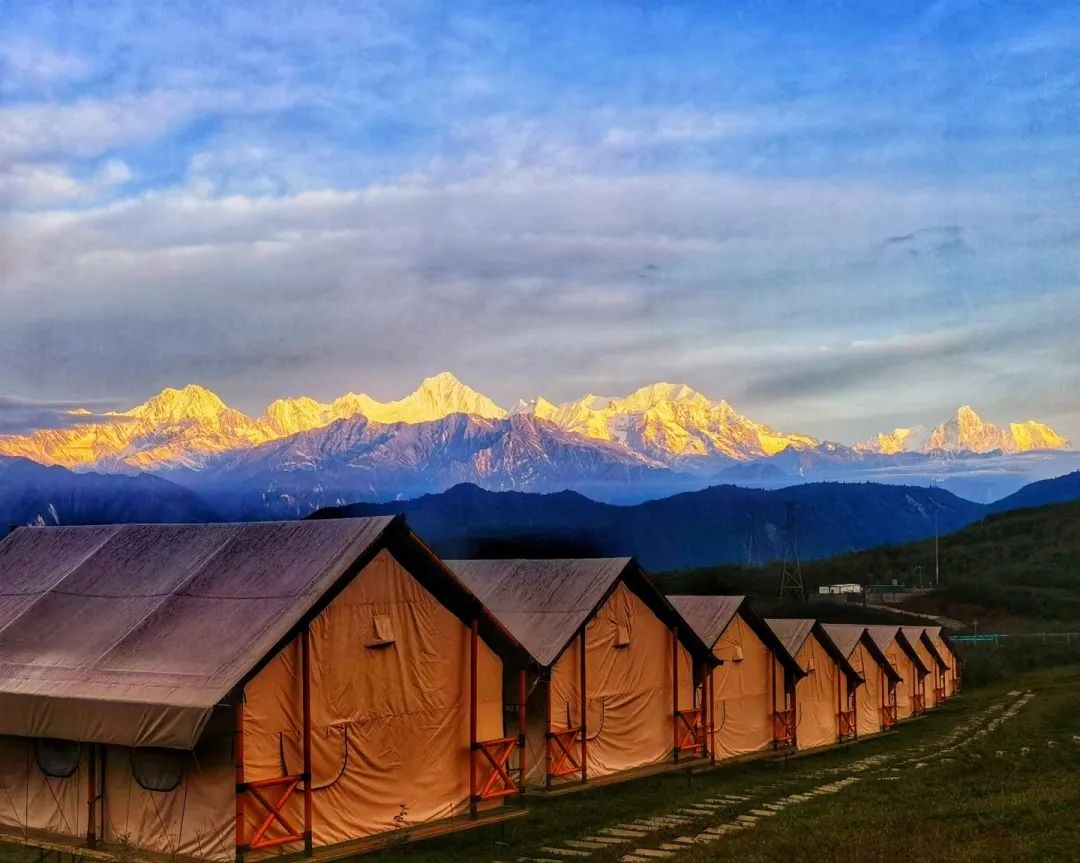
[{"x": 301, "y": 453}]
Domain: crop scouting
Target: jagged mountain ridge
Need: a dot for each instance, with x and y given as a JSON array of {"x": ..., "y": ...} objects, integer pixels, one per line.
[
  {"x": 966, "y": 431},
  {"x": 32, "y": 494},
  {"x": 669, "y": 424},
  {"x": 359, "y": 458}
]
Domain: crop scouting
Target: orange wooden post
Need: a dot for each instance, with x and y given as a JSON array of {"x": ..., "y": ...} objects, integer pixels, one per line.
[
  {"x": 473, "y": 659},
  {"x": 238, "y": 755},
  {"x": 712, "y": 713},
  {"x": 305, "y": 672},
  {"x": 853, "y": 695},
  {"x": 547, "y": 731},
  {"x": 675, "y": 692},
  {"x": 523, "y": 693},
  {"x": 91, "y": 794},
  {"x": 584, "y": 709}
]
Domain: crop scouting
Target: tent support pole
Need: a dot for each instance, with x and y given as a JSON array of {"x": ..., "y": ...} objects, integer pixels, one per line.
[
  {"x": 238, "y": 755},
  {"x": 473, "y": 659},
  {"x": 547, "y": 731},
  {"x": 675, "y": 693},
  {"x": 712, "y": 713},
  {"x": 305, "y": 671},
  {"x": 523, "y": 694},
  {"x": 91, "y": 794},
  {"x": 772, "y": 694},
  {"x": 584, "y": 708}
]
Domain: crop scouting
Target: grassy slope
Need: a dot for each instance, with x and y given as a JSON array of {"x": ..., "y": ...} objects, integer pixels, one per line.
[
  {"x": 977, "y": 807},
  {"x": 1016, "y": 570}
]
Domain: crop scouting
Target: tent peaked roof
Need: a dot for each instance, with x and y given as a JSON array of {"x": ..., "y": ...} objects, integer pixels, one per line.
[
  {"x": 921, "y": 635},
  {"x": 544, "y": 602},
  {"x": 711, "y": 615},
  {"x": 846, "y": 636},
  {"x": 884, "y": 634},
  {"x": 793, "y": 632},
  {"x": 154, "y": 625}
]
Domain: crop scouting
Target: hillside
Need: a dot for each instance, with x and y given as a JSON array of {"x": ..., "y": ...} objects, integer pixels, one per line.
[
  {"x": 33, "y": 494},
  {"x": 691, "y": 529},
  {"x": 1014, "y": 570}
]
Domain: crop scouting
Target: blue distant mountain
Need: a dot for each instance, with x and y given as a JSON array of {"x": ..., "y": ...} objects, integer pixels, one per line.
[
  {"x": 691, "y": 529},
  {"x": 31, "y": 494}
]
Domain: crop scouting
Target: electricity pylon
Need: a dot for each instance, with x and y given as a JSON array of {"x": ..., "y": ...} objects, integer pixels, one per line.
[{"x": 791, "y": 582}]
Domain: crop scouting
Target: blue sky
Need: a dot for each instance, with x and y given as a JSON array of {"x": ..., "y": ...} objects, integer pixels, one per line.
[{"x": 841, "y": 217}]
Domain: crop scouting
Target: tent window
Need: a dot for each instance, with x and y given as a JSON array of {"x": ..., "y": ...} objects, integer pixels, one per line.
[
  {"x": 384, "y": 631},
  {"x": 622, "y": 635},
  {"x": 57, "y": 758},
  {"x": 158, "y": 769}
]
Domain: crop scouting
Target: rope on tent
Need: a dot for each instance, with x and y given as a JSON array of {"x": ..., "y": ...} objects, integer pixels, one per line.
[
  {"x": 603, "y": 717},
  {"x": 344, "y": 728},
  {"x": 161, "y": 823},
  {"x": 59, "y": 806}
]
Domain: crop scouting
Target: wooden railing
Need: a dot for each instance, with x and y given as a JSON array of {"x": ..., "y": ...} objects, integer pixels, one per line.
[
  {"x": 561, "y": 753},
  {"x": 784, "y": 727},
  {"x": 888, "y": 716},
  {"x": 498, "y": 782},
  {"x": 846, "y": 724},
  {"x": 690, "y": 730},
  {"x": 275, "y": 811},
  {"x": 918, "y": 704}
]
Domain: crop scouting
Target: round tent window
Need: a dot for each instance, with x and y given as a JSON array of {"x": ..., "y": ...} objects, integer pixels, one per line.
[
  {"x": 57, "y": 758},
  {"x": 158, "y": 769}
]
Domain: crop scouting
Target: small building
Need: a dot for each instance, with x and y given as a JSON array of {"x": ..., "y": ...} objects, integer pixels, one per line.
[
  {"x": 933, "y": 660},
  {"x": 875, "y": 700},
  {"x": 835, "y": 589},
  {"x": 825, "y": 695},
  {"x": 754, "y": 686},
  {"x": 947, "y": 652},
  {"x": 212, "y": 691},
  {"x": 901, "y": 653},
  {"x": 622, "y": 680}
]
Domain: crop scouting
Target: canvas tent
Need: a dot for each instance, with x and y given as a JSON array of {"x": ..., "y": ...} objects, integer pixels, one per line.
[
  {"x": 947, "y": 652},
  {"x": 875, "y": 700},
  {"x": 934, "y": 687},
  {"x": 620, "y": 674},
  {"x": 205, "y": 691},
  {"x": 754, "y": 686},
  {"x": 824, "y": 705},
  {"x": 909, "y": 665}
]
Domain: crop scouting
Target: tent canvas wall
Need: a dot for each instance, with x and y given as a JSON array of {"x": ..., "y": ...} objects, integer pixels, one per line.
[
  {"x": 754, "y": 685},
  {"x": 617, "y": 665},
  {"x": 934, "y": 683},
  {"x": 902, "y": 656},
  {"x": 947, "y": 652},
  {"x": 198, "y": 690},
  {"x": 824, "y": 710},
  {"x": 875, "y": 699}
]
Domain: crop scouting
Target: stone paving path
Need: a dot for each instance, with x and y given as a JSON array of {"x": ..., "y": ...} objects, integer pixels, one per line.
[{"x": 712, "y": 818}]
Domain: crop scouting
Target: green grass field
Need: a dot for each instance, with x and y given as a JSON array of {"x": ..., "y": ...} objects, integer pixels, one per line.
[{"x": 952, "y": 786}]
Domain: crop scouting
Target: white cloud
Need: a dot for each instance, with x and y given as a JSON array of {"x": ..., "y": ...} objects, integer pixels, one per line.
[
  {"x": 31, "y": 186},
  {"x": 27, "y": 65}
]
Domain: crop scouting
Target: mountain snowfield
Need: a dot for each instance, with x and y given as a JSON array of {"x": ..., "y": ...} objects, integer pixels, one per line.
[
  {"x": 660, "y": 425},
  {"x": 966, "y": 431},
  {"x": 301, "y": 454}
]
